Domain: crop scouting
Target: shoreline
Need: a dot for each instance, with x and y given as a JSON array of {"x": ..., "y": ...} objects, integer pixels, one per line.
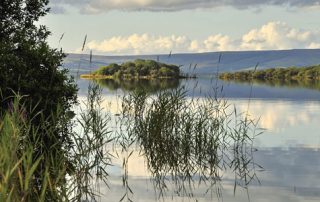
[{"x": 98, "y": 76}]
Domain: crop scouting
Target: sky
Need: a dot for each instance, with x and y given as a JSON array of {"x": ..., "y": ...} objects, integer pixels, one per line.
[{"x": 133, "y": 27}]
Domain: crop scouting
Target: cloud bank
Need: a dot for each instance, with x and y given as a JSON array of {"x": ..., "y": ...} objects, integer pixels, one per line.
[
  {"x": 99, "y": 6},
  {"x": 271, "y": 36}
]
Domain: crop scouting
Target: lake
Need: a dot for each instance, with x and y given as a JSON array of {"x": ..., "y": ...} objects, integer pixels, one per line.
[{"x": 286, "y": 153}]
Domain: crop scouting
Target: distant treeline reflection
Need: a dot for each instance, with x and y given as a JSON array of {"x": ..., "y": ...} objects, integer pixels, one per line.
[{"x": 309, "y": 84}]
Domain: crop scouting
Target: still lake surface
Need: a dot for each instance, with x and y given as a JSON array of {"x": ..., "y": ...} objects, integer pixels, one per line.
[{"x": 288, "y": 150}]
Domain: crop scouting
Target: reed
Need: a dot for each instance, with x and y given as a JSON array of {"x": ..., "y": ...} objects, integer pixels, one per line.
[
  {"x": 184, "y": 139},
  {"x": 90, "y": 156},
  {"x": 20, "y": 179},
  {"x": 64, "y": 171}
]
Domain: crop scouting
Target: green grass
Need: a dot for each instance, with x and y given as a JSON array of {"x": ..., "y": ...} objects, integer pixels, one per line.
[
  {"x": 18, "y": 165},
  {"x": 31, "y": 171}
]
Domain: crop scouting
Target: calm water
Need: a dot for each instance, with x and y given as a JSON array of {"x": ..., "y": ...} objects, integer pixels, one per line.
[{"x": 288, "y": 150}]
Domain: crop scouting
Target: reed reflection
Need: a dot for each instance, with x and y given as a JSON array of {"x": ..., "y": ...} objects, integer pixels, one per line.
[{"x": 187, "y": 143}]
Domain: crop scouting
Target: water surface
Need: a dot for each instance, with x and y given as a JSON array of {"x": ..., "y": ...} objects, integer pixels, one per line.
[{"x": 287, "y": 150}]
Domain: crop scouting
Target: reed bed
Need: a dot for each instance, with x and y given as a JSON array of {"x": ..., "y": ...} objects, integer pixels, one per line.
[
  {"x": 184, "y": 139},
  {"x": 186, "y": 142},
  {"x": 65, "y": 171}
]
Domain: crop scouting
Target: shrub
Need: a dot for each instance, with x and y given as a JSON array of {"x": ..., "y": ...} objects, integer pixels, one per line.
[
  {"x": 139, "y": 68},
  {"x": 30, "y": 67}
]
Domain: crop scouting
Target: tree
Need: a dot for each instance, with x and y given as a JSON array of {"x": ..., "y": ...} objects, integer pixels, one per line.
[{"x": 29, "y": 67}]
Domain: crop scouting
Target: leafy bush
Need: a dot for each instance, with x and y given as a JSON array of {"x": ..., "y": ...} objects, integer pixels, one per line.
[
  {"x": 29, "y": 67},
  {"x": 139, "y": 68}
]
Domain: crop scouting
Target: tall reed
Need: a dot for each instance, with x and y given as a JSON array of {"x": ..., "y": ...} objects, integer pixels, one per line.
[
  {"x": 184, "y": 139},
  {"x": 90, "y": 155},
  {"x": 19, "y": 177},
  {"x": 66, "y": 170}
]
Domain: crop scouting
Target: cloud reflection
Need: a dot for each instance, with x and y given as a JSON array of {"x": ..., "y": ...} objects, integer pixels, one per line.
[
  {"x": 290, "y": 175},
  {"x": 280, "y": 115}
]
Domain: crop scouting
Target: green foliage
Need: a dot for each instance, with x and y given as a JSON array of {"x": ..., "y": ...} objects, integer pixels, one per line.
[
  {"x": 110, "y": 70},
  {"x": 293, "y": 77},
  {"x": 140, "y": 68},
  {"x": 20, "y": 166},
  {"x": 29, "y": 67},
  {"x": 63, "y": 172},
  {"x": 290, "y": 73}
]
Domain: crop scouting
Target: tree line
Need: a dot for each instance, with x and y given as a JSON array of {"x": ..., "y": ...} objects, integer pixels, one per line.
[{"x": 290, "y": 73}]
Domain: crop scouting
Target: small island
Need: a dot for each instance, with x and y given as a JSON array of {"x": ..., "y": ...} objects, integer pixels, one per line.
[
  {"x": 138, "y": 69},
  {"x": 285, "y": 74}
]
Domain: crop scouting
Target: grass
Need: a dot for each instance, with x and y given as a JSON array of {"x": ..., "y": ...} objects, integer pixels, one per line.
[
  {"x": 18, "y": 177},
  {"x": 185, "y": 141},
  {"x": 60, "y": 172}
]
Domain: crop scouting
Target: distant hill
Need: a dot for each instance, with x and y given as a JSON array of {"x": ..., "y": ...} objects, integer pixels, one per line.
[{"x": 206, "y": 63}]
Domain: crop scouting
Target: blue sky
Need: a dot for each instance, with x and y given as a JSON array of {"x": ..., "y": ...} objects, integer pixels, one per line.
[{"x": 126, "y": 27}]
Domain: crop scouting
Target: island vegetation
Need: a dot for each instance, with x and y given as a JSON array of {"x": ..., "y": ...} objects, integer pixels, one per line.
[
  {"x": 274, "y": 74},
  {"x": 138, "y": 69}
]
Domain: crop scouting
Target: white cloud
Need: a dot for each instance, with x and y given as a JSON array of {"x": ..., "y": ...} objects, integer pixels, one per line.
[
  {"x": 219, "y": 42},
  {"x": 98, "y": 6},
  {"x": 314, "y": 45},
  {"x": 271, "y": 36},
  {"x": 141, "y": 44},
  {"x": 278, "y": 35}
]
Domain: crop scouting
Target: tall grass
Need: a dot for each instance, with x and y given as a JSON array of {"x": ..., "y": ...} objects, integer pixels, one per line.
[
  {"x": 89, "y": 153},
  {"x": 19, "y": 180},
  {"x": 186, "y": 139},
  {"x": 32, "y": 171}
]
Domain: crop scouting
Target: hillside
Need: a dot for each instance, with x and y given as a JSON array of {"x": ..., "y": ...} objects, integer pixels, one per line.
[{"x": 206, "y": 62}]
